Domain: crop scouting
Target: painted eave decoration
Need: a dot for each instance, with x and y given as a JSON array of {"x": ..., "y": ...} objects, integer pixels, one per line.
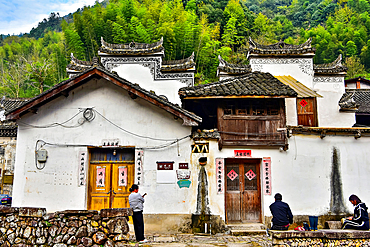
[
  {"x": 252, "y": 85},
  {"x": 63, "y": 88}
]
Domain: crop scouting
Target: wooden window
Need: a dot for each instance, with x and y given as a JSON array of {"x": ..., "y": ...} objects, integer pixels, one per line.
[
  {"x": 111, "y": 155},
  {"x": 307, "y": 112},
  {"x": 265, "y": 107}
]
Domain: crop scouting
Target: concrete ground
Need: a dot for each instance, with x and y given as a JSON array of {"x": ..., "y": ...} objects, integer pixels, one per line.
[{"x": 203, "y": 240}]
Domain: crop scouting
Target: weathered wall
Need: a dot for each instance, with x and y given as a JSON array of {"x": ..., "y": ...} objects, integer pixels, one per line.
[
  {"x": 56, "y": 186},
  {"x": 33, "y": 227},
  {"x": 304, "y": 174}
]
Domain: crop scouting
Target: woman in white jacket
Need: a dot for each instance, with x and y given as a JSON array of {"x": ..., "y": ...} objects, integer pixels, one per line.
[{"x": 137, "y": 204}]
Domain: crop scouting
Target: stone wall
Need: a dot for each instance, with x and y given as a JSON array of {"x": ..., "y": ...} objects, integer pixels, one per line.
[
  {"x": 34, "y": 227},
  {"x": 321, "y": 238}
]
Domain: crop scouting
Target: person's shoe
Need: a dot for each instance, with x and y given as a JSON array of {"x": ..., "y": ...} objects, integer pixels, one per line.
[{"x": 143, "y": 241}]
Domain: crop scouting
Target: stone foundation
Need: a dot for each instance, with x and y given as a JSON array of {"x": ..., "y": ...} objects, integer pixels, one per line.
[
  {"x": 321, "y": 238},
  {"x": 180, "y": 223},
  {"x": 25, "y": 227}
]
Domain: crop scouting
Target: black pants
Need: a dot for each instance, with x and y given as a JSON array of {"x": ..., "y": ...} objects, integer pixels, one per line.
[
  {"x": 138, "y": 220},
  {"x": 349, "y": 224},
  {"x": 280, "y": 228}
]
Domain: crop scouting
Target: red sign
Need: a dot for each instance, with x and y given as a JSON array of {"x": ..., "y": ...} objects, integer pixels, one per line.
[
  {"x": 242, "y": 153},
  {"x": 220, "y": 175},
  {"x": 165, "y": 165},
  {"x": 303, "y": 103},
  {"x": 250, "y": 174}
]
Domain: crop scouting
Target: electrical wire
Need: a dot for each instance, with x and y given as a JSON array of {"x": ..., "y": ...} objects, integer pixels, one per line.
[
  {"x": 57, "y": 124},
  {"x": 131, "y": 133}
]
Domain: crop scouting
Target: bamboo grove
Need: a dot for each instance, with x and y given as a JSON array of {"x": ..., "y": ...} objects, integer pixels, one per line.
[{"x": 34, "y": 62}]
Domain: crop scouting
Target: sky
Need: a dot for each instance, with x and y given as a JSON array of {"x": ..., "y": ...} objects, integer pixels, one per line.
[{"x": 20, "y": 16}]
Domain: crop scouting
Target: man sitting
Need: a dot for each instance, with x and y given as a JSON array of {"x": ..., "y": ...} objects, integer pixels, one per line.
[{"x": 281, "y": 214}]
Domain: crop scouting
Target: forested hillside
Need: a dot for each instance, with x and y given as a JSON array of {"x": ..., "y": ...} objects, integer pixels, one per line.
[{"x": 34, "y": 62}]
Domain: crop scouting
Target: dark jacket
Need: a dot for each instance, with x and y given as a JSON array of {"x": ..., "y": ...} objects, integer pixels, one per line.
[
  {"x": 281, "y": 214},
  {"x": 360, "y": 215}
]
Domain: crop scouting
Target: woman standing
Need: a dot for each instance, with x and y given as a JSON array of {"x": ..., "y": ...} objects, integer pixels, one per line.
[
  {"x": 360, "y": 218},
  {"x": 136, "y": 203}
]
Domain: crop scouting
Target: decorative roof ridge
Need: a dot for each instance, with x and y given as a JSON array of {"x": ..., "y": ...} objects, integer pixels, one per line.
[
  {"x": 76, "y": 61},
  {"x": 130, "y": 46},
  {"x": 281, "y": 45},
  {"x": 337, "y": 63},
  {"x": 224, "y": 63},
  {"x": 180, "y": 61}
]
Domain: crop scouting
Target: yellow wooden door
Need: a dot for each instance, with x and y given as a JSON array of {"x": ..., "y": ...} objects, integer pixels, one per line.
[
  {"x": 122, "y": 179},
  {"x": 99, "y": 186},
  {"x": 109, "y": 185}
]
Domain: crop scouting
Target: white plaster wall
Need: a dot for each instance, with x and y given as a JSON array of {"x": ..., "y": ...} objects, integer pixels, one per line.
[
  {"x": 141, "y": 75},
  {"x": 291, "y": 112},
  {"x": 302, "y": 174},
  {"x": 362, "y": 86},
  {"x": 327, "y": 106},
  {"x": 55, "y": 187},
  {"x": 300, "y": 69}
]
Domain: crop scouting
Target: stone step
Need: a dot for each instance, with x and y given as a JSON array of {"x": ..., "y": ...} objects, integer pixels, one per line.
[
  {"x": 247, "y": 232},
  {"x": 247, "y": 226},
  {"x": 247, "y": 229}
]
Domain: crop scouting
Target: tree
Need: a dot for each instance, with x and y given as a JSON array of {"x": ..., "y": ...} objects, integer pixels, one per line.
[{"x": 355, "y": 68}]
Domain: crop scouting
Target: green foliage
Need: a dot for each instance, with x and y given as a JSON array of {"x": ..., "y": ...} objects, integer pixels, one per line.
[{"x": 36, "y": 61}]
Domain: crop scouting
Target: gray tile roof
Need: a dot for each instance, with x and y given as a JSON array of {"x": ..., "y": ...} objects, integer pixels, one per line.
[
  {"x": 78, "y": 65},
  {"x": 178, "y": 65},
  {"x": 252, "y": 84},
  {"x": 229, "y": 68},
  {"x": 121, "y": 80},
  {"x": 280, "y": 48},
  {"x": 331, "y": 68},
  {"x": 355, "y": 100},
  {"x": 9, "y": 104},
  {"x": 132, "y": 48}
]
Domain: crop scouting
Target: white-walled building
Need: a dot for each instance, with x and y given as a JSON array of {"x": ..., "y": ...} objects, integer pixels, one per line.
[{"x": 273, "y": 126}]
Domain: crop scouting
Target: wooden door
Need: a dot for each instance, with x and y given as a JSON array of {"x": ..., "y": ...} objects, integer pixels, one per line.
[
  {"x": 109, "y": 185},
  {"x": 111, "y": 174},
  {"x": 243, "y": 191},
  {"x": 306, "y": 112}
]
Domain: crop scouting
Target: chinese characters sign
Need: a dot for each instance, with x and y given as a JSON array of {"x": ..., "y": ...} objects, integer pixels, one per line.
[
  {"x": 266, "y": 163},
  {"x": 242, "y": 153},
  {"x": 139, "y": 159},
  {"x": 82, "y": 168},
  {"x": 122, "y": 176},
  {"x": 220, "y": 175},
  {"x": 100, "y": 176}
]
